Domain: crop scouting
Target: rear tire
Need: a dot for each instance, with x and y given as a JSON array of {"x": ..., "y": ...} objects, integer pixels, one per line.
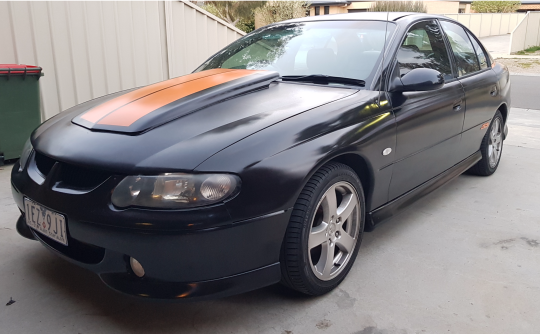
[
  {"x": 491, "y": 148},
  {"x": 324, "y": 232}
]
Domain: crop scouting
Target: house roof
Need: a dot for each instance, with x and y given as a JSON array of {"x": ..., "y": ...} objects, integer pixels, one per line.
[
  {"x": 330, "y": 3},
  {"x": 372, "y": 16}
]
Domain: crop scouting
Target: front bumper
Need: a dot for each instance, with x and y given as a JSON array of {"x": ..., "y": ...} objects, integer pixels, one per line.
[
  {"x": 163, "y": 264},
  {"x": 212, "y": 262}
]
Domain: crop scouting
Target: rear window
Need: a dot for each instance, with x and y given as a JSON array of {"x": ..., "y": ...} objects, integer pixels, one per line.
[
  {"x": 482, "y": 58},
  {"x": 462, "y": 47}
]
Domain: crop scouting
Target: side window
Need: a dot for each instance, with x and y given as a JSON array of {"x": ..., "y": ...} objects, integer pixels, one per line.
[
  {"x": 424, "y": 48},
  {"x": 462, "y": 47},
  {"x": 482, "y": 59}
]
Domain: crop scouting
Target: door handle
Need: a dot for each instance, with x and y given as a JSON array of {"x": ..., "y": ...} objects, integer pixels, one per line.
[
  {"x": 457, "y": 105},
  {"x": 493, "y": 91}
]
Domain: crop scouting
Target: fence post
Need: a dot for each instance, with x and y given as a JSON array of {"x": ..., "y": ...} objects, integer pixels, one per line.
[
  {"x": 491, "y": 19},
  {"x": 538, "y": 31},
  {"x": 169, "y": 37}
]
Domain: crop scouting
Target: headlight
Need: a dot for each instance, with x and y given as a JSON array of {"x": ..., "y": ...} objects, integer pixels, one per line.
[
  {"x": 27, "y": 149},
  {"x": 175, "y": 190}
]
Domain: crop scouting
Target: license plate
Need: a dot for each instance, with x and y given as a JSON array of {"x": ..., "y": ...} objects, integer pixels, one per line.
[{"x": 45, "y": 221}]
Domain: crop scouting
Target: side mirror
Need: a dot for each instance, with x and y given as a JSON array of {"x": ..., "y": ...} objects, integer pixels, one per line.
[{"x": 418, "y": 80}]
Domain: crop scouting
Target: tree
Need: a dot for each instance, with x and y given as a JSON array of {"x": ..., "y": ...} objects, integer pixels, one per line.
[
  {"x": 399, "y": 6},
  {"x": 233, "y": 12},
  {"x": 247, "y": 25},
  {"x": 495, "y": 6},
  {"x": 276, "y": 11}
]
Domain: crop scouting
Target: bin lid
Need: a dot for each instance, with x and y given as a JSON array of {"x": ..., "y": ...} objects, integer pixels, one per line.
[{"x": 18, "y": 69}]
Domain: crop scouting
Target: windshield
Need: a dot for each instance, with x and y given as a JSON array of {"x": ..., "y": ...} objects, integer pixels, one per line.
[{"x": 349, "y": 49}]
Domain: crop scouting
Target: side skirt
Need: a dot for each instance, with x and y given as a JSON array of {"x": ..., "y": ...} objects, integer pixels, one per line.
[{"x": 393, "y": 207}]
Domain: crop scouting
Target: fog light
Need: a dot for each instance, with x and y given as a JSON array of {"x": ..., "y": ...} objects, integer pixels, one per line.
[{"x": 136, "y": 267}]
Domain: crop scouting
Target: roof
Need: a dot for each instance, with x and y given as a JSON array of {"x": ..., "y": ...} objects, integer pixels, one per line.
[
  {"x": 377, "y": 16},
  {"x": 329, "y": 3}
]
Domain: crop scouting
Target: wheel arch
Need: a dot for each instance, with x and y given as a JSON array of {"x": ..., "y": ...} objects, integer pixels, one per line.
[
  {"x": 359, "y": 164},
  {"x": 503, "y": 108}
]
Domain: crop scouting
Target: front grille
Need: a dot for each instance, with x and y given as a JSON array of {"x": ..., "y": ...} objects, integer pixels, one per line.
[
  {"x": 43, "y": 163},
  {"x": 71, "y": 176},
  {"x": 76, "y": 177}
]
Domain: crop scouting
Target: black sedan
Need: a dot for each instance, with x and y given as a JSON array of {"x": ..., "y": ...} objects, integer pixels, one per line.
[{"x": 270, "y": 161}]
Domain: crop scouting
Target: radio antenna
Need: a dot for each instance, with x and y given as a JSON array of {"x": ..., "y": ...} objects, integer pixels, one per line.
[{"x": 383, "y": 55}]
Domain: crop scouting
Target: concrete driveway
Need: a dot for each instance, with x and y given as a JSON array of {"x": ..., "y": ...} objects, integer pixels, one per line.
[
  {"x": 525, "y": 90},
  {"x": 466, "y": 259},
  {"x": 497, "y": 45}
]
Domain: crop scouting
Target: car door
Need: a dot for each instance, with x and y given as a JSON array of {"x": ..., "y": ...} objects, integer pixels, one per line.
[
  {"x": 479, "y": 83},
  {"x": 429, "y": 123}
]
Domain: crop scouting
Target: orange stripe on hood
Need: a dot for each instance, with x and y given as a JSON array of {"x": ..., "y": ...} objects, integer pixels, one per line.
[
  {"x": 131, "y": 112},
  {"x": 102, "y": 110}
]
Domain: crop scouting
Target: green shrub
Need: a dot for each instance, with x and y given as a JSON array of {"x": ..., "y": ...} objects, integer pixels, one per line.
[
  {"x": 495, "y": 6},
  {"x": 247, "y": 25}
]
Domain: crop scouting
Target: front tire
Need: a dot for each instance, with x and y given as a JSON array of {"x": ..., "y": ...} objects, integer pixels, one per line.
[
  {"x": 324, "y": 232},
  {"x": 491, "y": 148}
]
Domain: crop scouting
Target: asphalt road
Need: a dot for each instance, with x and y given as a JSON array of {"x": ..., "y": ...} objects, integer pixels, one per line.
[
  {"x": 465, "y": 259},
  {"x": 525, "y": 91}
]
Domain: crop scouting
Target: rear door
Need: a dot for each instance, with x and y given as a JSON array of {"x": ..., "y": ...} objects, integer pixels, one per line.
[
  {"x": 479, "y": 83},
  {"x": 429, "y": 123}
]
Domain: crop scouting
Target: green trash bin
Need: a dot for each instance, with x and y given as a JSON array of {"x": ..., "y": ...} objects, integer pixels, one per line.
[{"x": 19, "y": 107}]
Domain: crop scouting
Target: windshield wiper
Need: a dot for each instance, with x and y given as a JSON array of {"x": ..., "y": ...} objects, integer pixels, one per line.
[{"x": 316, "y": 78}]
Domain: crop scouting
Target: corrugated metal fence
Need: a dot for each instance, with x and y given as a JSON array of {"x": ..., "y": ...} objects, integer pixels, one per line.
[
  {"x": 90, "y": 49},
  {"x": 489, "y": 24}
]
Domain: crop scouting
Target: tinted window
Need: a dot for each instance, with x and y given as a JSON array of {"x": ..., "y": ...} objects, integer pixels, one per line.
[
  {"x": 461, "y": 46},
  {"x": 349, "y": 49},
  {"x": 424, "y": 48},
  {"x": 482, "y": 59},
  {"x": 326, "y": 10},
  {"x": 317, "y": 10}
]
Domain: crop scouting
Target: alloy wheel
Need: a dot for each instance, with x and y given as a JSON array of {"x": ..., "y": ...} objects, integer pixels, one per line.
[
  {"x": 334, "y": 231},
  {"x": 495, "y": 143}
]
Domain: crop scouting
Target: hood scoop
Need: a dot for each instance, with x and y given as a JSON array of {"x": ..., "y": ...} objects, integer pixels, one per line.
[{"x": 148, "y": 107}]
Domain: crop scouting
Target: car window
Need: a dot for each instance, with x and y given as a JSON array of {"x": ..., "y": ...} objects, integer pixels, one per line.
[
  {"x": 350, "y": 49},
  {"x": 462, "y": 47},
  {"x": 482, "y": 58},
  {"x": 424, "y": 48}
]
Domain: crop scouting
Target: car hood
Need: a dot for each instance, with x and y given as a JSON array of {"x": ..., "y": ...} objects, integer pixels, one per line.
[
  {"x": 154, "y": 105},
  {"x": 177, "y": 124}
]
